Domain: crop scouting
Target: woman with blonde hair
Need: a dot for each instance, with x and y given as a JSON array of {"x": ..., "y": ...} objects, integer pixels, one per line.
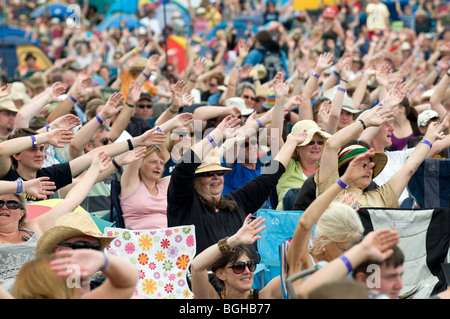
[
  {"x": 337, "y": 225},
  {"x": 143, "y": 195}
]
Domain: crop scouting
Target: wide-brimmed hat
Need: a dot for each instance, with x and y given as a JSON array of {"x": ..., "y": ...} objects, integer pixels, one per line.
[
  {"x": 240, "y": 103},
  {"x": 139, "y": 63},
  {"x": 347, "y": 103},
  {"x": 211, "y": 163},
  {"x": 311, "y": 128},
  {"x": 19, "y": 92},
  {"x": 424, "y": 117},
  {"x": 74, "y": 224},
  {"x": 350, "y": 152},
  {"x": 7, "y": 104}
]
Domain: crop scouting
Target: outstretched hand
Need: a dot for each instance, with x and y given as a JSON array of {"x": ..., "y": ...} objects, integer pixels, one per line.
[
  {"x": 249, "y": 232},
  {"x": 378, "y": 244},
  {"x": 40, "y": 187},
  {"x": 359, "y": 167}
]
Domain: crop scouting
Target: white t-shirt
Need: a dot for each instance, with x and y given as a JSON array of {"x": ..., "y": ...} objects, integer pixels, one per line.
[{"x": 396, "y": 159}]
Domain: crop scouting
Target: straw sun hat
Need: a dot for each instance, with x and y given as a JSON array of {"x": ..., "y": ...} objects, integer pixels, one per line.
[
  {"x": 350, "y": 152},
  {"x": 67, "y": 226},
  {"x": 311, "y": 128},
  {"x": 211, "y": 163}
]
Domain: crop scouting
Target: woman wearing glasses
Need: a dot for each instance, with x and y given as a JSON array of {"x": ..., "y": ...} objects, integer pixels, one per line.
[
  {"x": 305, "y": 159},
  {"x": 195, "y": 191},
  {"x": 233, "y": 265},
  {"x": 19, "y": 236}
]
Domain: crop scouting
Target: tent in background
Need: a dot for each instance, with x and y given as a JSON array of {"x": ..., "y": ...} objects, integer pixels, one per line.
[{"x": 14, "y": 44}]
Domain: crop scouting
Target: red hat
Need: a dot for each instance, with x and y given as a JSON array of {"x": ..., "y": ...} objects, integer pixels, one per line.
[{"x": 329, "y": 12}]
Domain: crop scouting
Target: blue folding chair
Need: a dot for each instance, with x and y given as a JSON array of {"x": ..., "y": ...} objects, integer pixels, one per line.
[{"x": 280, "y": 226}]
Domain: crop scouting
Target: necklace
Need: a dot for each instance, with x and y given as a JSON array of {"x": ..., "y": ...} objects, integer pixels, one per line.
[{"x": 223, "y": 294}]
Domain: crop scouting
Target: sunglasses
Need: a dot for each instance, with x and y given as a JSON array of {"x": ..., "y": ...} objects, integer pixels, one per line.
[
  {"x": 248, "y": 97},
  {"x": 106, "y": 140},
  {"x": 142, "y": 106},
  {"x": 10, "y": 204},
  {"x": 239, "y": 266},
  {"x": 82, "y": 245},
  {"x": 211, "y": 174},
  {"x": 320, "y": 143}
]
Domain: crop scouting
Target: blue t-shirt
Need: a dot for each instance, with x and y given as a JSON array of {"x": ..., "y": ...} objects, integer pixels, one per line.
[{"x": 238, "y": 177}]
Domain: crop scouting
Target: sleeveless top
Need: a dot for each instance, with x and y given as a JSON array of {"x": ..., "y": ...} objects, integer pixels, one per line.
[
  {"x": 13, "y": 256},
  {"x": 399, "y": 144},
  {"x": 142, "y": 210}
]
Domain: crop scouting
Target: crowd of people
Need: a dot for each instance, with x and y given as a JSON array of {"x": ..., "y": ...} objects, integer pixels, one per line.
[{"x": 342, "y": 103}]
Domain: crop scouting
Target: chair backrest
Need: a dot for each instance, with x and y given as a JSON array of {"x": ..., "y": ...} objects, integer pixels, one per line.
[
  {"x": 116, "y": 215},
  {"x": 280, "y": 226},
  {"x": 424, "y": 240},
  {"x": 162, "y": 257},
  {"x": 430, "y": 184}
]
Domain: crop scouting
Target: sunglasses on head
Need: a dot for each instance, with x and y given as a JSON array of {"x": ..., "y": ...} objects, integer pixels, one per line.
[
  {"x": 320, "y": 143},
  {"x": 211, "y": 174},
  {"x": 10, "y": 204},
  {"x": 142, "y": 106},
  {"x": 239, "y": 266},
  {"x": 82, "y": 245}
]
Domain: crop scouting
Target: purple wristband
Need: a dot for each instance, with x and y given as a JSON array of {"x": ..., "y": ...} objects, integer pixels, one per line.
[
  {"x": 33, "y": 141},
  {"x": 346, "y": 262},
  {"x": 342, "y": 184},
  {"x": 210, "y": 139},
  {"x": 341, "y": 89},
  {"x": 72, "y": 98},
  {"x": 99, "y": 119},
  {"x": 427, "y": 142},
  {"x": 259, "y": 123},
  {"x": 315, "y": 75}
]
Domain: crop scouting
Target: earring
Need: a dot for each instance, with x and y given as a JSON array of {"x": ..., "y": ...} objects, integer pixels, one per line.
[{"x": 323, "y": 251}]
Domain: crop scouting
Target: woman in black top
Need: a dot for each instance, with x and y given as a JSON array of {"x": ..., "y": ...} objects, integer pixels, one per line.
[{"x": 197, "y": 200}]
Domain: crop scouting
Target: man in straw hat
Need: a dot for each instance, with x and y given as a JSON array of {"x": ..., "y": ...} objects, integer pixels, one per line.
[{"x": 8, "y": 112}]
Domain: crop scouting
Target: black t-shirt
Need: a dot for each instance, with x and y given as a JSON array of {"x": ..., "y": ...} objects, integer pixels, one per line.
[
  {"x": 185, "y": 207},
  {"x": 60, "y": 174}
]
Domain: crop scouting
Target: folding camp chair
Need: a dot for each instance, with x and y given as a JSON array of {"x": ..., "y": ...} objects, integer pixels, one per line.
[
  {"x": 280, "y": 227},
  {"x": 430, "y": 184},
  {"x": 424, "y": 240},
  {"x": 162, "y": 257}
]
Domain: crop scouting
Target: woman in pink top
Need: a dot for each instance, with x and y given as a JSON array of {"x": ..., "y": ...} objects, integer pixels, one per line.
[{"x": 143, "y": 196}]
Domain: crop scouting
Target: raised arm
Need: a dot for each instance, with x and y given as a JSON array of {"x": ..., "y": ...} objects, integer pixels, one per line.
[
  {"x": 376, "y": 246},
  {"x": 401, "y": 178},
  {"x": 376, "y": 116},
  {"x": 246, "y": 235},
  {"x": 30, "y": 109},
  {"x": 85, "y": 134},
  {"x": 75, "y": 196},
  {"x": 19, "y": 144},
  {"x": 121, "y": 276}
]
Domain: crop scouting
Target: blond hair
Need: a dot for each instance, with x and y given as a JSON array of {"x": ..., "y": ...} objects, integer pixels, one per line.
[
  {"x": 339, "y": 223},
  {"x": 36, "y": 280}
]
